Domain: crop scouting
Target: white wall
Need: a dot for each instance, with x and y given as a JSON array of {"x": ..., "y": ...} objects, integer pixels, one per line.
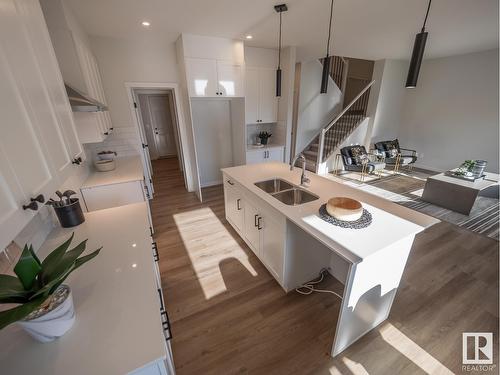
[
  {"x": 126, "y": 60},
  {"x": 452, "y": 115},
  {"x": 388, "y": 95},
  {"x": 315, "y": 109}
]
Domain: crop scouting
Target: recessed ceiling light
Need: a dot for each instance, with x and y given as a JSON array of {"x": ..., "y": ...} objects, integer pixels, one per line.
[
  {"x": 249, "y": 37},
  {"x": 146, "y": 23}
]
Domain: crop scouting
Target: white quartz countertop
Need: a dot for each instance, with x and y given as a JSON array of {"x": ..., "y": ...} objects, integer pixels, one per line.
[
  {"x": 117, "y": 327},
  {"x": 391, "y": 222},
  {"x": 127, "y": 169}
]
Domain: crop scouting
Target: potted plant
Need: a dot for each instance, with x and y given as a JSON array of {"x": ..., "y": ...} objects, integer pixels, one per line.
[
  {"x": 68, "y": 210},
  {"x": 44, "y": 305},
  {"x": 264, "y": 136}
]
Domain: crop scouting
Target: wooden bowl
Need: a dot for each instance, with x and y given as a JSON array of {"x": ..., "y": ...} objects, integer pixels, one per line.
[{"x": 345, "y": 209}]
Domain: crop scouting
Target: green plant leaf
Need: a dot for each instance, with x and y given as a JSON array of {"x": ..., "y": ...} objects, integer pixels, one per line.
[
  {"x": 19, "y": 312},
  {"x": 11, "y": 287},
  {"x": 27, "y": 268},
  {"x": 65, "y": 262},
  {"x": 51, "y": 261},
  {"x": 33, "y": 254},
  {"x": 78, "y": 263},
  {"x": 52, "y": 286}
]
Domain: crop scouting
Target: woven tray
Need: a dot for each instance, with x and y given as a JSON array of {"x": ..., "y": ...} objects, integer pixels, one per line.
[{"x": 364, "y": 221}]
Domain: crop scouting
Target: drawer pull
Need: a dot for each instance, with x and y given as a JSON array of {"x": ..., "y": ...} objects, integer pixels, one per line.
[
  {"x": 255, "y": 220},
  {"x": 258, "y": 223},
  {"x": 155, "y": 252},
  {"x": 160, "y": 296},
  {"x": 230, "y": 182},
  {"x": 31, "y": 206},
  {"x": 238, "y": 204}
]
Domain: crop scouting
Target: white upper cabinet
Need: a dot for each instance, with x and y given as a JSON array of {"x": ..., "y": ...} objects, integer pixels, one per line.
[
  {"x": 230, "y": 79},
  {"x": 261, "y": 103},
  {"x": 37, "y": 142},
  {"x": 214, "y": 78},
  {"x": 252, "y": 95},
  {"x": 202, "y": 77},
  {"x": 79, "y": 69}
]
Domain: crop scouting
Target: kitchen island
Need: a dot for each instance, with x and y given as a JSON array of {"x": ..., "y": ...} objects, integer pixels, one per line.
[
  {"x": 120, "y": 322},
  {"x": 295, "y": 244}
]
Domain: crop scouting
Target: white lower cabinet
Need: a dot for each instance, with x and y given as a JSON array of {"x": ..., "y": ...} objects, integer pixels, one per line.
[
  {"x": 265, "y": 155},
  {"x": 235, "y": 213},
  {"x": 114, "y": 195},
  {"x": 262, "y": 228}
]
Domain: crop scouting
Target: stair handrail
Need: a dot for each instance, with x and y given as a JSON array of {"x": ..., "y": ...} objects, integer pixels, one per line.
[
  {"x": 328, "y": 127},
  {"x": 323, "y": 131}
]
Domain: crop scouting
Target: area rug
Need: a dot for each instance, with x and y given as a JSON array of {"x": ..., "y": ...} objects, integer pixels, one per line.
[{"x": 406, "y": 189}]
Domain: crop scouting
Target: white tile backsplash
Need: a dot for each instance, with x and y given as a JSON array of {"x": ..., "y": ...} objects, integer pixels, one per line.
[{"x": 124, "y": 140}]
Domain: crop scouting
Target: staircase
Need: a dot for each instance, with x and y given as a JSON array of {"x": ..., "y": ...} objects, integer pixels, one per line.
[{"x": 328, "y": 140}]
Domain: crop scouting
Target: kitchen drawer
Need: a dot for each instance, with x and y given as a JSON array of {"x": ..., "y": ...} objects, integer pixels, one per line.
[{"x": 107, "y": 196}]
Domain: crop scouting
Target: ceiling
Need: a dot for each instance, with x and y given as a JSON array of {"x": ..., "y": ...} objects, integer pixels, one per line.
[{"x": 370, "y": 29}]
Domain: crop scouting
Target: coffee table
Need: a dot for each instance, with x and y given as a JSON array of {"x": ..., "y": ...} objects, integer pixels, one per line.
[{"x": 454, "y": 193}]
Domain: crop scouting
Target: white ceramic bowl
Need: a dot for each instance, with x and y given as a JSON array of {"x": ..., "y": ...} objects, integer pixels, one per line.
[
  {"x": 104, "y": 165},
  {"x": 345, "y": 209}
]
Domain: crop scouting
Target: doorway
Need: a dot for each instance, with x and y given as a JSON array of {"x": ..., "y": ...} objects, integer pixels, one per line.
[
  {"x": 158, "y": 120},
  {"x": 158, "y": 117}
]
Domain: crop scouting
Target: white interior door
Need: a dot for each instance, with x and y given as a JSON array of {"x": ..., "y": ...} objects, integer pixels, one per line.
[
  {"x": 147, "y": 128},
  {"x": 162, "y": 125}
]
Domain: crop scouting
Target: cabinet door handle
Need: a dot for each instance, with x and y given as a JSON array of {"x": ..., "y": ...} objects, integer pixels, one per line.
[
  {"x": 238, "y": 204},
  {"x": 160, "y": 296},
  {"x": 230, "y": 182},
  {"x": 39, "y": 198},
  {"x": 31, "y": 206},
  {"x": 255, "y": 220},
  {"x": 258, "y": 223},
  {"x": 155, "y": 251}
]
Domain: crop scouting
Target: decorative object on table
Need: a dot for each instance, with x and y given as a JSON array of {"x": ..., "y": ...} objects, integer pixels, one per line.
[
  {"x": 104, "y": 165},
  {"x": 264, "y": 136},
  {"x": 106, "y": 155},
  {"x": 356, "y": 159},
  {"x": 45, "y": 306},
  {"x": 364, "y": 221},
  {"x": 68, "y": 210},
  {"x": 469, "y": 170},
  {"x": 396, "y": 156},
  {"x": 345, "y": 209}
]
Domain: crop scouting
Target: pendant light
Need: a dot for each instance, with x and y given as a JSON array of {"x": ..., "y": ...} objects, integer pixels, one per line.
[
  {"x": 280, "y": 9},
  {"x": 326, "y": 60},
  {"x": 418, "y": 54}
]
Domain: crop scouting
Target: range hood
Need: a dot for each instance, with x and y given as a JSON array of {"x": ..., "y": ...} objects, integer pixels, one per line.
[{"x": 81, "y": 103}]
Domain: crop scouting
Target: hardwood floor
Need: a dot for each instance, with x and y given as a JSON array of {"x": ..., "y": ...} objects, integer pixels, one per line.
[{"x": 229, "y": 316}]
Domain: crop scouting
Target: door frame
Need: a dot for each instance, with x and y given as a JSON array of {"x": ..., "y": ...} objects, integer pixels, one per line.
[{"x": 178, "y": 114}]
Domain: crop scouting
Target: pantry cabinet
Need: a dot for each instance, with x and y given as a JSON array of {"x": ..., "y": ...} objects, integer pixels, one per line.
[
  {"x": 214, "y": 78},
  {"x": 38, "y": 143},
  {"x": 261, "y": 103},
  {"x": 263, "y": 229}
]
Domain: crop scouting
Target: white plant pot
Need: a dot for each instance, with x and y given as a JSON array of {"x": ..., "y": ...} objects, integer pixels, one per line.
[{"x": 52, "y": 324}]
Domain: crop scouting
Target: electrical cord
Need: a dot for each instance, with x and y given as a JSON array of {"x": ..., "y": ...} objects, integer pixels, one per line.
[{"x": 309, "y": 286}]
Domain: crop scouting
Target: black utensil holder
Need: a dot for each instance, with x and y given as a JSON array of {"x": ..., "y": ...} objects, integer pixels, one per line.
[{"x": 70, "y": 215}]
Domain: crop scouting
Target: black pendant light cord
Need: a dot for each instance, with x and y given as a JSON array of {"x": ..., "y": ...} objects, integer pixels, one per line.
[
  {"x": 426, "y": 15},
  {"x": 329, "y": 31},
  {"x": 279, "y": 46}
]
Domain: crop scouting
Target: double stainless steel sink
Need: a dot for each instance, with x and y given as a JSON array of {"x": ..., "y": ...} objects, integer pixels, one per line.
[{"x": 286, "y": 192}]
